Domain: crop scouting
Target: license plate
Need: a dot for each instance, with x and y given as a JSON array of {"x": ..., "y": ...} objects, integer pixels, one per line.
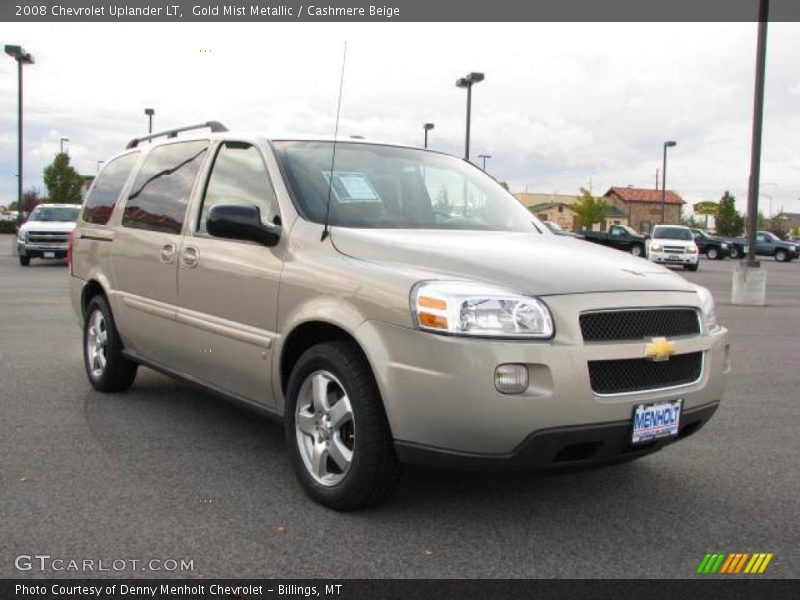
[
  {"x": 655, "y": 421},
  {"x": 49, "y": 254},
  {"x": 673, "y": 257}
]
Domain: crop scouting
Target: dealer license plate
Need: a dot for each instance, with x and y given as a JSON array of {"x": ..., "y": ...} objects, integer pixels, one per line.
[
  {"x": 655, "y": 421},
  {"x": 49, "y": 254}
]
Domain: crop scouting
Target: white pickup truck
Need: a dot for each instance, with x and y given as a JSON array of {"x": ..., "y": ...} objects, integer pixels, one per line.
[
  {"x": 673, "y": 245},
  {"x": 46, "y": 233}
]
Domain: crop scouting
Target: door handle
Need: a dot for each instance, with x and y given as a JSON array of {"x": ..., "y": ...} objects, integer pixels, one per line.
[
  {"x": 167, "y": 253},
  {"x": 190, "y": 257}
]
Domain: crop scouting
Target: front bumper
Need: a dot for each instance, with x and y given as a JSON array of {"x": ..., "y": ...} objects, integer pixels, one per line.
[
  {"x": 439, "y": 391},
  {"x": 41, "y": 250},
  {"x": 558, "y": 447},
  {"x": 664, "y": 258}
]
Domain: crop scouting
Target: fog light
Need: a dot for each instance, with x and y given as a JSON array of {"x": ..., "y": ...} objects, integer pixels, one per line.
[{"x": 511, "y": 379}]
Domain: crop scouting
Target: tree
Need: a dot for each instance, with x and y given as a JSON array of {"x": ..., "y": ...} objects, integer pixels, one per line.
[
  {"x": 443, "y": 203},
  {"x": 589, "y": 210},
  {"x": 505, "y": 185},
  {"x": 729, "y": 221},
  {"x": 62, "y": 181}
]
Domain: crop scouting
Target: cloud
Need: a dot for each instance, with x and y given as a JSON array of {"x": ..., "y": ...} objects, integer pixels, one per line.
[{"x": 561, "y": 103}]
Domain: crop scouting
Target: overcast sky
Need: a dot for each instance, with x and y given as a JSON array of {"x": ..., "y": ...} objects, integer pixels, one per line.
[{"x": 562, "y": 104}]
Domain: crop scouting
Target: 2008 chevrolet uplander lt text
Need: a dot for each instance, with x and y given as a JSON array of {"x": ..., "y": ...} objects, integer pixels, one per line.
[{"x": 433, "y": 321}]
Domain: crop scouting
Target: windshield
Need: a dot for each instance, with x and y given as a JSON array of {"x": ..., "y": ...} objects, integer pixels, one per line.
[
  {"x": 55, "y": 213},
  {"x": 672, "y": 233},
  {"x": 389, "y": 187}
]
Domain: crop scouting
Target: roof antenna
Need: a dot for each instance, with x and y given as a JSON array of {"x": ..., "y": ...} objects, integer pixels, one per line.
[{"x": 325, "y": 231}]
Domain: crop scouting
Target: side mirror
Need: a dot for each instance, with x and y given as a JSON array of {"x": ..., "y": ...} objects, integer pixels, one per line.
[{"x": 239, "y": 222}]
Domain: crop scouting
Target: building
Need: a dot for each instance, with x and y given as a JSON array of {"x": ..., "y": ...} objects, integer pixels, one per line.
[
  {"x": 642, "y": 207},
  {"x": 558, "y": 209}
]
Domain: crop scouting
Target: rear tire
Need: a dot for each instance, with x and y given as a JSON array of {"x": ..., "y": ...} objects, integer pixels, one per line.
[
  {"x": 106, "y": 367},
  {"x": 343, "y": 457},
  {"x": 637, "y": 250},
  {"x": 24, "y": 260}
]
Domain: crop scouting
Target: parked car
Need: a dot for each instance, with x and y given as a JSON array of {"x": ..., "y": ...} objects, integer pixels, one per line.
[
  {"x": 620, "y": 237},
  {"x": 45, "y": 233},
  {"x": 673, "y": 245},
  {"x": 380, "y": 327},
  {"x": 715, "y": 248},
  {"x": 557, "y": 229},
  {"x": 769, "y": 244}
]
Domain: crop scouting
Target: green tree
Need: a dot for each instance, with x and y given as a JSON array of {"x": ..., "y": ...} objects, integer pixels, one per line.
[
  {"x": 590, "y": 210},
  {"x": 729, "y": 222},
  {"x": 62, "y": 181},
  {"x": 505, "y": 185}
]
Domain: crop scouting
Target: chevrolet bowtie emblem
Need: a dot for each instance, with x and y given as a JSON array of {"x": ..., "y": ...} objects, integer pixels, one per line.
[{"x": 659, "y": 349}]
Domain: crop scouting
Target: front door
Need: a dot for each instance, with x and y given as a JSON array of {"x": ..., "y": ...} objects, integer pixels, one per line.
[{"x": 228, "y": 289}]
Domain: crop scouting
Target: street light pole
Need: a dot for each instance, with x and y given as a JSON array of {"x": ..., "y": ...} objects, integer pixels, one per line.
[
  {"x": 149, "y": 112},
  {"x": 62, "y": 144},
  {"x": 22, "y": 58},
  {"x": 484, "y": 157},
  {"x": 99, "y": 162},
  {"x": 427, "y": 127},
  {"x": 669, "y": 144},
  {"x": 467, "y": 82}
]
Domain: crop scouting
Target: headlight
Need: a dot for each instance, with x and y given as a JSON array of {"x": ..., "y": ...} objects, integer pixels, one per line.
[
  {"x": 709, "y": 311},
  {"x": 464, "y": 308},
  {"x": 724, "y": 245},
  {"x": 23, "y": 236},
  {"x": 655, "y": 247},
  {"x": 692, "y": 249}
]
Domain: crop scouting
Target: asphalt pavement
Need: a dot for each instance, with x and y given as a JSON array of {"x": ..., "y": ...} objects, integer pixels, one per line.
[{"x": 166, "y": 472}]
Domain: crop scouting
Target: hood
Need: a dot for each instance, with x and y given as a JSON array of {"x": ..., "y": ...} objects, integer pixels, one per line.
[
  {"x": 59, "y": 226},
  {"x": 538, "y": 264}
]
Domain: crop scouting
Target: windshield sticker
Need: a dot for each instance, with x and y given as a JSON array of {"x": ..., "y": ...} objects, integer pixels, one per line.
[{"x": 351, "y": 186}]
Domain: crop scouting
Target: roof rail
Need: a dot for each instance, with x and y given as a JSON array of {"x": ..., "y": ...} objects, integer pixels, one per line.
[{"x": 215, "y": 127}]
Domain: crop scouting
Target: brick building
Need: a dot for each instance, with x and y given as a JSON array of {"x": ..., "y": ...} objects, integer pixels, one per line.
[{"x": 643, "y": 206}]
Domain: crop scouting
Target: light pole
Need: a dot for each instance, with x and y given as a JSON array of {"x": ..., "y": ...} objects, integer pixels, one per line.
[
  {"x": 427, "y": 127},
  {"x": 669, "y": 144},
  {"x": 467, "y": 82},
  {"x": 99, "y": 162},
  {"x": 23, "y": 58},
  {"x": 62, "y": 144},
  {"x": 484, "y": 157},
  {"x": 149, "y": 112}
]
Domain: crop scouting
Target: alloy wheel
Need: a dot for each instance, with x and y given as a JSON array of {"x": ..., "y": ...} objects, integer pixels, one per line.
[
  {"x": 325, "y": 428},
  {"x": 97, "y": 344}
]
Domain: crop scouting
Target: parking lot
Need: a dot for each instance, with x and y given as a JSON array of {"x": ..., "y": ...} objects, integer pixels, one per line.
[{"x": 167, "y": 472}]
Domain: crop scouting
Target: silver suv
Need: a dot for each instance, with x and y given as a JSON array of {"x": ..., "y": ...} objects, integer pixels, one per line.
[{"x": 389, "y": 304}]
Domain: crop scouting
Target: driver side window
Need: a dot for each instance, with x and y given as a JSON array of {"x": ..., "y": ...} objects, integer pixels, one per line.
[{"x": 239, "y": 177}]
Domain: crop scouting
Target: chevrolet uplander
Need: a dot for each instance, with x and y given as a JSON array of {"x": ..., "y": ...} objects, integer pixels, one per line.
[{"x": 391, "y": 305}]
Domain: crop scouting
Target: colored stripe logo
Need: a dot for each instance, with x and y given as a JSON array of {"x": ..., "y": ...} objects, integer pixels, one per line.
[{"x": 734, "y": 563}]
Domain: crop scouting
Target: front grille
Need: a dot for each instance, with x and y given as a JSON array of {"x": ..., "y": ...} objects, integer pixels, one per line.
[
  {"x": 47, "y": 237},
  {"x": 674, "y": 249},
  {"x": 639, "y": 324},
  {"x": 639, "y": 374}
]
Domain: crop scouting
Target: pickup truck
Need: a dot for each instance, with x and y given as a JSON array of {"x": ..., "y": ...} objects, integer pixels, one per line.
[
  {"x": 620, "y": 237},
  {"x": 715, "y": 248},
  {"x": 769, "y": 244},
  {"x": 46, "y": 232}
]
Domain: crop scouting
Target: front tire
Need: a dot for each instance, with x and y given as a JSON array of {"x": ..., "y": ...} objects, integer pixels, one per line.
[
  {"x": 691, "y": 267},
  {"x": 24, "y": 260},
  {"x": 107, "y": 368},
  {"x": 712, "y": 253},
  {"x": 336, "y": 430},
  {"x": 781, "y": 256}
]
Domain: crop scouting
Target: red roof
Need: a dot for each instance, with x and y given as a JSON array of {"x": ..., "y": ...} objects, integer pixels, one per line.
[{"x": 631, "y": 194}]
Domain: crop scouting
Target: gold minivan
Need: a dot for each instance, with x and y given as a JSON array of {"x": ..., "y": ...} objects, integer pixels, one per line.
[{"x": 389, "y": 304}]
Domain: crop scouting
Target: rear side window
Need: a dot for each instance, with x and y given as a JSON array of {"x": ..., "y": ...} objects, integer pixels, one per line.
[
  {"x": 159, "y": 195},
  {"x": 239, "y": 177},
  {"x": 101, "y": 200}
]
